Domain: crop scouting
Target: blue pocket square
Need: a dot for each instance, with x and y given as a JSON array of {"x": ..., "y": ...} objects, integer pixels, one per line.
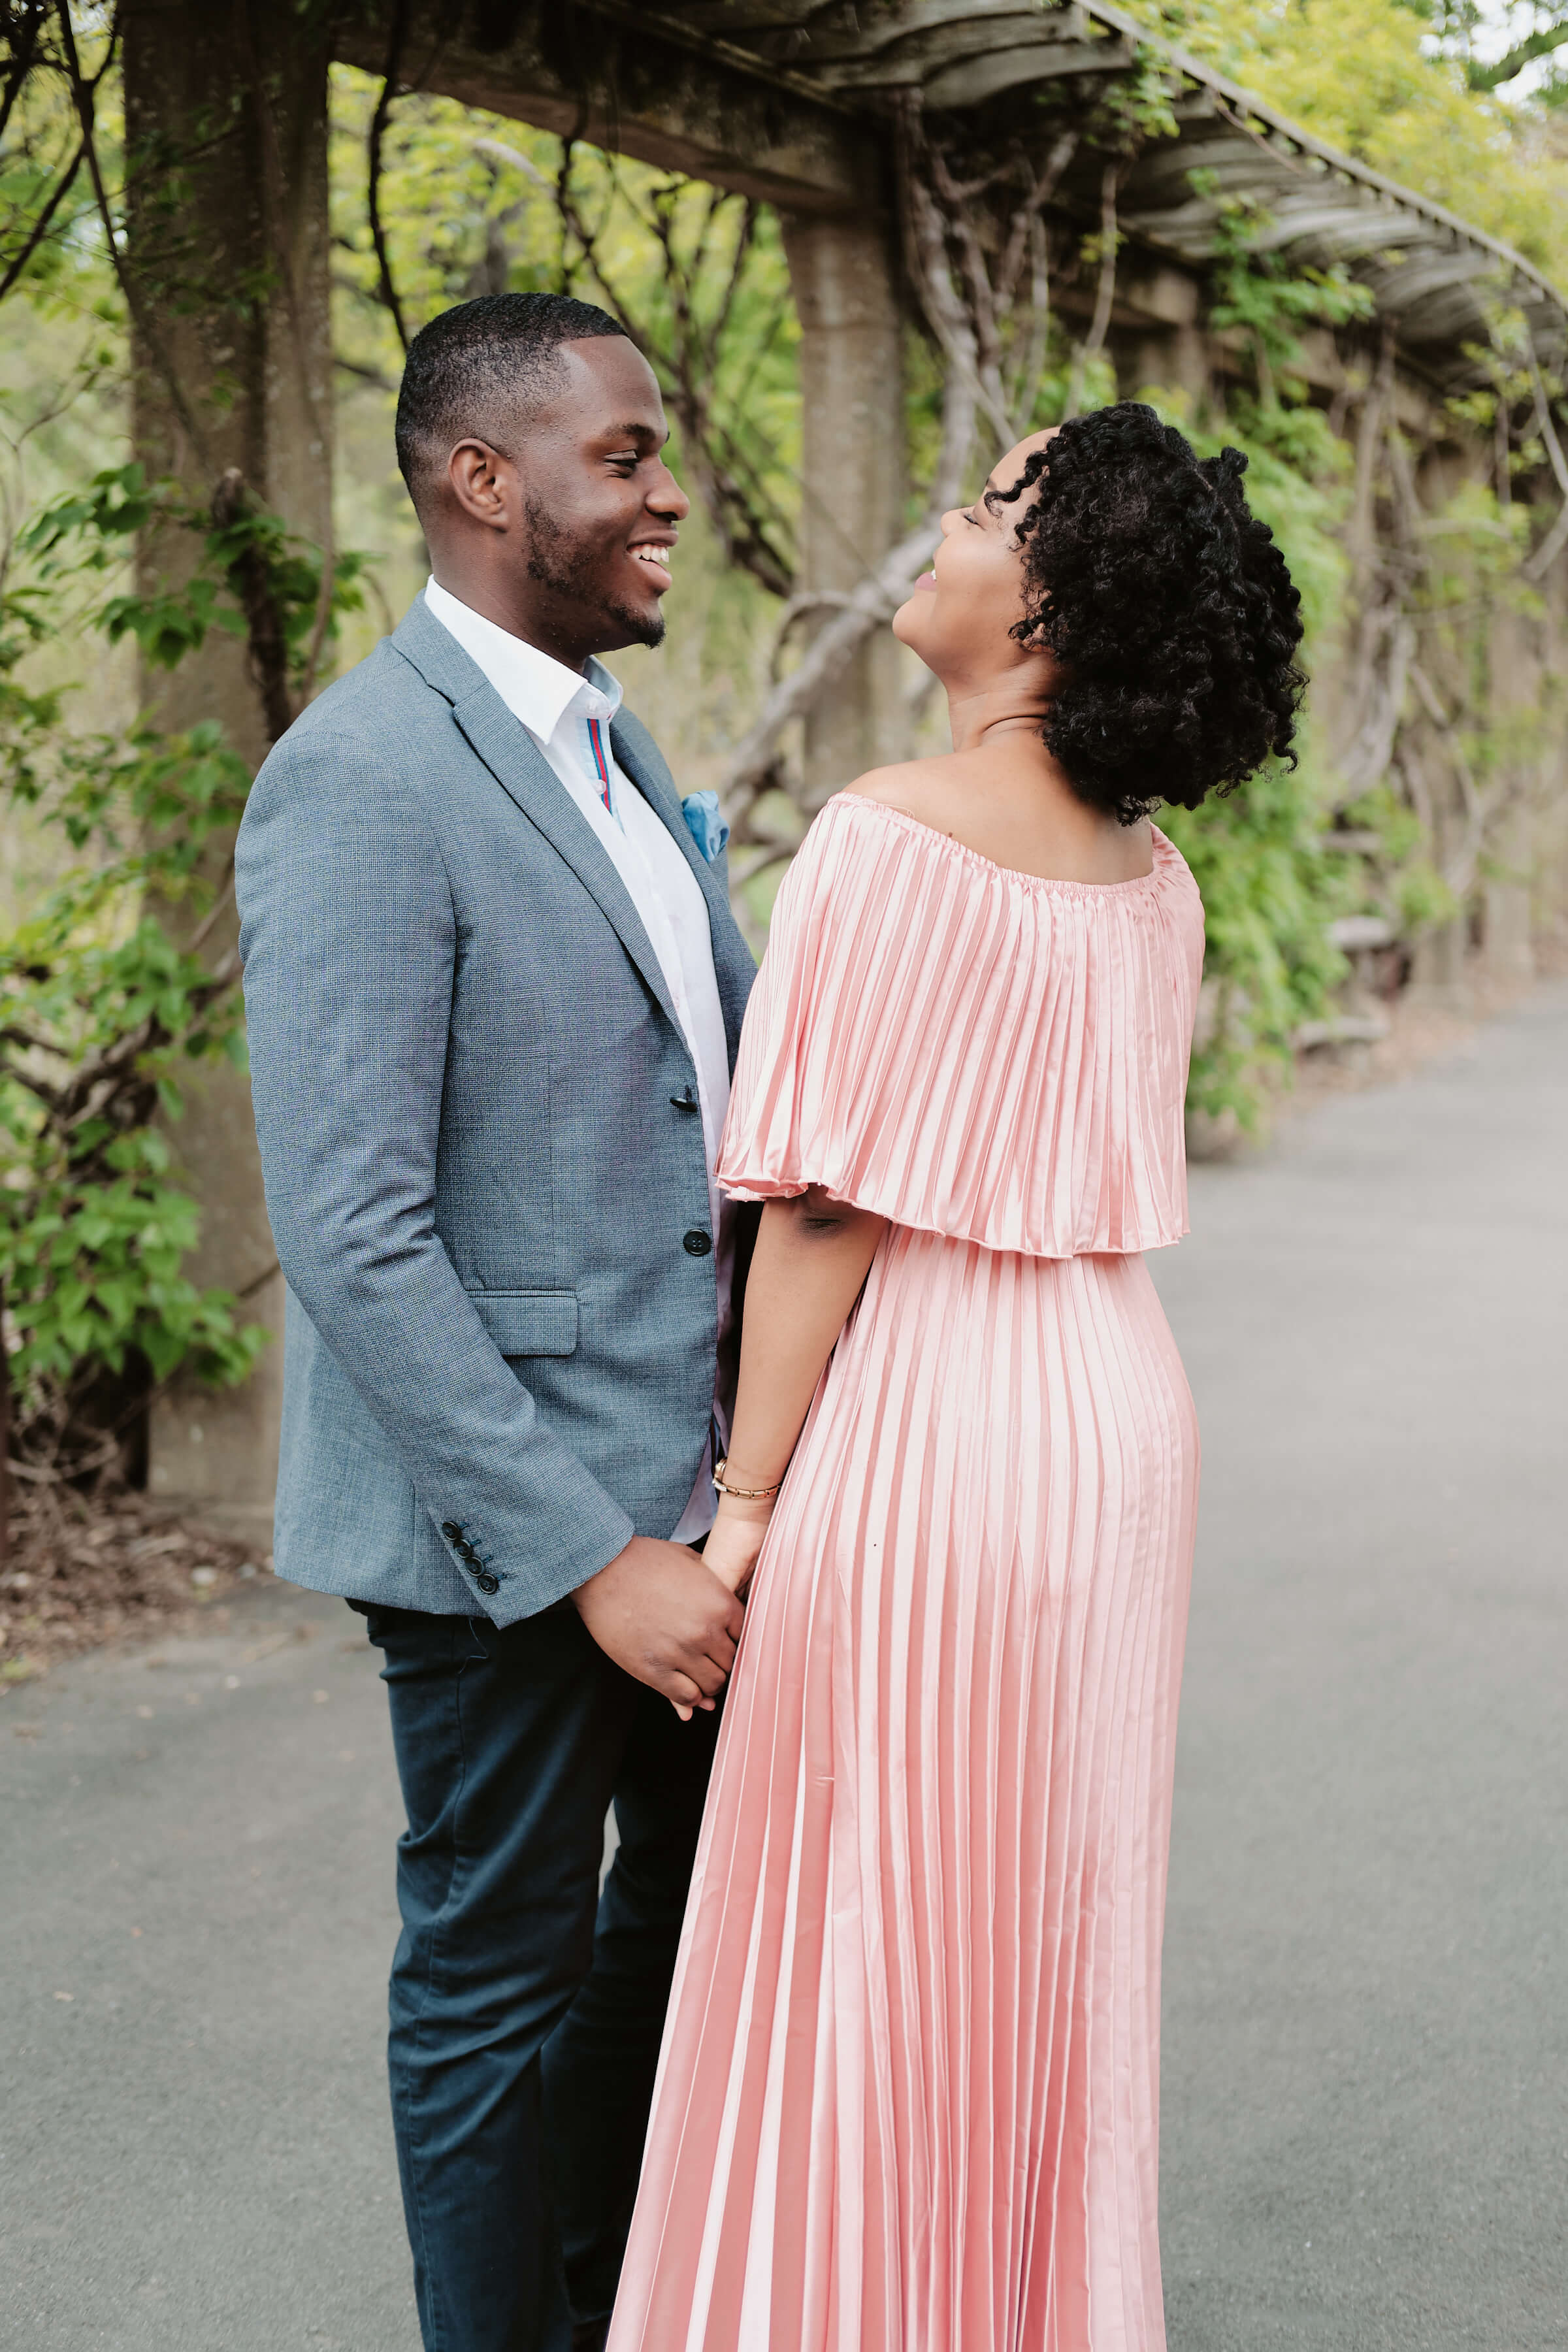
[{"x": 707, "y": 827}]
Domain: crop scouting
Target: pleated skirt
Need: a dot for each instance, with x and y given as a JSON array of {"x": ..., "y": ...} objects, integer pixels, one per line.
[{"x": 908, "y": 2100}]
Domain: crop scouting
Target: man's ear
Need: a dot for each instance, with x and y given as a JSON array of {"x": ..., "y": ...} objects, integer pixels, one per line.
[{"x": 480, "y": 481}]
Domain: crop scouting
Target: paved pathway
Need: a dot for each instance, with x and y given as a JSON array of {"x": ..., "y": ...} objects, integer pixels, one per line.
[
  {"x": 1366, "y": 2015},
  {"x": 1365, "y": 2137}
]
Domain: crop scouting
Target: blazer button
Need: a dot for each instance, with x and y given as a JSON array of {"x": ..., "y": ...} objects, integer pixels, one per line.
[
  {"x": 486, "y": 1582},
  {"x": 686, "y": 1100},
  {"x": 696, "y": 1242},
  {"x": 451, "y": 1530}
]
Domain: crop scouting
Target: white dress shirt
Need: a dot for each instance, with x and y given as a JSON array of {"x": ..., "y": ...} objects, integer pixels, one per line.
[{"x": 555, "y": 705}]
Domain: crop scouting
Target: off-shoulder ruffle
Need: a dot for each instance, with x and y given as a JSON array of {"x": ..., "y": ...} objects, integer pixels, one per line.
[{"x": 971, "y": 1051}]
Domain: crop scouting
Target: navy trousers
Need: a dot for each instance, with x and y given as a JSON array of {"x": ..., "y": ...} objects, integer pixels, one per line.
[{"x": 526, "y": 2008}]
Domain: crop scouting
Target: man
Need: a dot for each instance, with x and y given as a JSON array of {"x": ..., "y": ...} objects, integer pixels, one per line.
[{"x": 494, "y": 993}]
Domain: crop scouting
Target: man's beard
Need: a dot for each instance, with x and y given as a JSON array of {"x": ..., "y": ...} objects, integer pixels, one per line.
[{"x": 569, "y": 567}]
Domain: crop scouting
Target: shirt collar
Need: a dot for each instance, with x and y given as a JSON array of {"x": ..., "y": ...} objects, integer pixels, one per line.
[{"x": 534, "y": 686}]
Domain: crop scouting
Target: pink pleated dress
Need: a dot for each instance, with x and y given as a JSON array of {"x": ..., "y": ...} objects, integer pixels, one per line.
[{"x": 908, "y": 2094}]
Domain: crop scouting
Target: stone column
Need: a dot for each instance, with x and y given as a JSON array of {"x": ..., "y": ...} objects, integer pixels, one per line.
[
  {"x": 843, "y": 273},
  {"x": 226, "y": 106}
]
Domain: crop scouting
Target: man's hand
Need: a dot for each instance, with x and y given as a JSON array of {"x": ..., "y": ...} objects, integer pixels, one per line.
[{"x": 665, "y": 1618}]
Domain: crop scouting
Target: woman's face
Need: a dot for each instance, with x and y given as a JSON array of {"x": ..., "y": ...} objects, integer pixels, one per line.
[{"x": 961, "y": 611}]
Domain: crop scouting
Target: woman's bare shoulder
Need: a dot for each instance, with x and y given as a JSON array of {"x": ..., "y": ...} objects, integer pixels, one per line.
[{"x": 916, "y": 787}]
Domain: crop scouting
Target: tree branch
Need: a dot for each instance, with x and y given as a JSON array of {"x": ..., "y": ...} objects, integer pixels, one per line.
[
  {"x": 372, "y": 375},
  {"x": 41, "y": 227},
  {"x": 1538, "y": 564},
  {"x": 926, "y": 259},
  {"x": 251, "y": 580},
  {"x": 25, "y": 42},
  {"x": 685, "y": 371},
  {"x": 1513, "y": 61},
  {"x": 378, "y": 122},
  {"x": 1100, "y": 324},
  {"x": 84, "y": 97},
  {"x": 275, "y": 209},
  {"x": 874, "y": 602}
]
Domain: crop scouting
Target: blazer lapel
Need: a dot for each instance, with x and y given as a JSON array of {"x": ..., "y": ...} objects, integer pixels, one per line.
[{"x": 526, "y": 776}]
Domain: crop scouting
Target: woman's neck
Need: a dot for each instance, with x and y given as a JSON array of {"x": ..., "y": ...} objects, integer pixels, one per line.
[{"x": 995, "y": 713}]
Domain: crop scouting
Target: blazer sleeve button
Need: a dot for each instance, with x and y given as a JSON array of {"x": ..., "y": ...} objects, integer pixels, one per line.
[
  {"x": 451, "y": 1530},
  {"x": 486, "y": 1581},
  {"x": 696, "y": 1242}
]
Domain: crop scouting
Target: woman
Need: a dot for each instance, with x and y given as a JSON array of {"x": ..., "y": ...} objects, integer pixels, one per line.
[{"x": 907, "y": 2101}]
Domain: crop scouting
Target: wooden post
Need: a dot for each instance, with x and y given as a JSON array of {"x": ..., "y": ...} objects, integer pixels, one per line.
[
  {"x": 225, "y": 104},
  {"x": 844, "y": 275}
]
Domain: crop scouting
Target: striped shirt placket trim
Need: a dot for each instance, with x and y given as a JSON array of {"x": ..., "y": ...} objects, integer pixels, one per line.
[{"x": 601, "y": 764}]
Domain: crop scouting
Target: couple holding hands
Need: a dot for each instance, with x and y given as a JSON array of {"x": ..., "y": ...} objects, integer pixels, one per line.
[{"x": 741, "y": 1398}]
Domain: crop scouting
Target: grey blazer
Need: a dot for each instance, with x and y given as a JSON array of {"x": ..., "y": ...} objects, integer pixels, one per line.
[{"x": 483, "y": 1155}]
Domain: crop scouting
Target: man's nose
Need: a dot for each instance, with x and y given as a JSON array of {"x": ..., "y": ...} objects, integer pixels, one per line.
[{"x": 667, "y": 498}]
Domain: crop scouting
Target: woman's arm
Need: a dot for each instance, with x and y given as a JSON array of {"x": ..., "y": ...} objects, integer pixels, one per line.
[{"x": 812, "y": 1256}]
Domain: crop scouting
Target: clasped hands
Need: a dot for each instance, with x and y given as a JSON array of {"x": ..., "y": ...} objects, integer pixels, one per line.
[{"x": 672, "y": 1617}]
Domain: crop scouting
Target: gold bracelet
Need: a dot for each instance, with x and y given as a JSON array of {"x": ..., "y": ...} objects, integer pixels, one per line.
[{"x": 742, "y": 1494}]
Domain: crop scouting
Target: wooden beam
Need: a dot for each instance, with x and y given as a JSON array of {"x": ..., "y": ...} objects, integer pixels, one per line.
[
  {"x": 640, "y": 93},
  {"x": 977, "y": 78}
]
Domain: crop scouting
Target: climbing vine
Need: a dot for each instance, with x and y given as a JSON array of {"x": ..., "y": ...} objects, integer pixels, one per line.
[{"x": 113, "y": 987}]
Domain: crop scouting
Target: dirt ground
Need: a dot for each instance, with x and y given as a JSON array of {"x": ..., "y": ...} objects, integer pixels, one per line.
[{"x": 86, "y": 1570}]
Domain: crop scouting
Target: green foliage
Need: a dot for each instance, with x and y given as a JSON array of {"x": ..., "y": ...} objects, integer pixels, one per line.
[
  {"x": 92, "y": 1230},
  {"x": 103, "y": 1006},
  {"x": 99, "y": 1010},
  {"x": 1366, "y": 76},
  {"x": 1257, "y": 293},
  {"x": 1270, "y": 886},
  {"x": 1262, "y": 856},
  {"x": 87, "y": 532}
]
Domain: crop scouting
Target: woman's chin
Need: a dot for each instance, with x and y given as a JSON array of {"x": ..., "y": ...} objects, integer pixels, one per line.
[
  {"x": 912, "y": 625},
  {"x": 906, "y": 623}
]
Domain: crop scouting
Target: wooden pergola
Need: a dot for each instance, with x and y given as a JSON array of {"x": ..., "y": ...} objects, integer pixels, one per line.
[
  {"x": 793, "y": 101},
  {"x": 800, "y": 103}
]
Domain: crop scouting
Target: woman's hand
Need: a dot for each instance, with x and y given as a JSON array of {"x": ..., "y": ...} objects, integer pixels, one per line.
[{"x": 734, "y": 1540}]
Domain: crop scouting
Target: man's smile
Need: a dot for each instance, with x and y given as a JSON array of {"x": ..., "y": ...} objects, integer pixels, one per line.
[{"x": 653, "y": 554}]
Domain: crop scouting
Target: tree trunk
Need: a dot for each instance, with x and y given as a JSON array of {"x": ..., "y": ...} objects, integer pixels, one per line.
[{"x": 225, "y": 104}]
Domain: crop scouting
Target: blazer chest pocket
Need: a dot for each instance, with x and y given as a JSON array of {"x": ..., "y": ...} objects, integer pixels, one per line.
[{"x": 529, "y": 1322}]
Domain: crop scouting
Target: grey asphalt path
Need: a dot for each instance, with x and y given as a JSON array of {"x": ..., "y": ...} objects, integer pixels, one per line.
[
  {"x": 1366, "y": 2080},
  {"x": 194, "y": 2148},
  {"x": 1365, "y": 2128}
]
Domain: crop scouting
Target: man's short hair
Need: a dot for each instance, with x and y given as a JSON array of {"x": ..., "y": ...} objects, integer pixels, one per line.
[{"x": 478, "y": 368}]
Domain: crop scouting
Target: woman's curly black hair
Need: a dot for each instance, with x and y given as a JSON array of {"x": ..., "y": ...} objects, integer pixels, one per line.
[{"x": 1168, "y": 605}]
